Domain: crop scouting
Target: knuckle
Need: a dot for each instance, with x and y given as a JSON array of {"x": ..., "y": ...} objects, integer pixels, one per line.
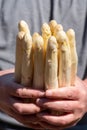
[
  {"x": 22, "y": 92},
  {"x": 73, "y": 93},
  {"x": 70, "y": 95},
  {"x": 66, "y": 106}
]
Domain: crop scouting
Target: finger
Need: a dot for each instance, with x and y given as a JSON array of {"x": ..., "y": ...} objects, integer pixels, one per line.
[
  {"x": 57, "y": 120},
  {"x": 24, "y": 108},
  {"x": 25, "y": 119},
  {"x": 63, "y": 93},
  {"x": 18, "y": 90},
  {"x": 34, "y": 122},
  {"x": 23, "y": 92},
  {"x": 63, "y": 105}
]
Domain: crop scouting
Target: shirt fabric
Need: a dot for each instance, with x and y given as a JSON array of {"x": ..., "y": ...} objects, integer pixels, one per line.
[{"x": 69, "y": 13}]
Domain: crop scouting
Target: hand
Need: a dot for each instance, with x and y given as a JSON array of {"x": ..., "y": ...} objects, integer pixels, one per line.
[
  {"x": 13, "y": 97},
  {"x": 70, "y": 101}
]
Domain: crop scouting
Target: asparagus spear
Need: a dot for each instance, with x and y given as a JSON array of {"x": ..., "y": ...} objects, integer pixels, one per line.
[
  {"x": 34, "y": 37},
  {"x": 38, "y": 78},
  {"x": 51, "y": 67},
  {"x": 27, "y": 61},
  {"x": 52, "y": 25},
  {"x": 22, "y": 26},
  {"x": 46, "y": 33},
  {"x": 64, "y": 59},
  {"x": 57, "y": 28},
  {"x": 19, "y": 54},
  {"x": 74, "y": 58}
]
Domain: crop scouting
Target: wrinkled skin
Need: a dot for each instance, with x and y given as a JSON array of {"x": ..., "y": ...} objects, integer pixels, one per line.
[
  {"x": 70, "y": 101},
  {"x": 13, "y": 96}
]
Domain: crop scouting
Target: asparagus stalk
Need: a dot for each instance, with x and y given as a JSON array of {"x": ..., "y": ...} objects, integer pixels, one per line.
[
  {"x": 38, "y": 78},
  {"x": 34, "y": 37},
  {"x": 22, "y": 26},
  {"x": 74, "y": 57},
  {"x": 64, "y": 59},
  {"x": 19, "y": 55},
  {"x": 51, "y": 67},
  {"x": 46, "y": 33},
  {"x": 27, "y": 61},
  {"x": 57, "y": 28},
  {"x": 52, "y": 25}
]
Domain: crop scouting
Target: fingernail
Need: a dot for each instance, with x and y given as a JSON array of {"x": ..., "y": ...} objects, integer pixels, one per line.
[{"x": 39, "y": 102}]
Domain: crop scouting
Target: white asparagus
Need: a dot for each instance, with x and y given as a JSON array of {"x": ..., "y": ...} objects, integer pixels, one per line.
[
  {"x": 38, "y": 78},
  {"x": 23, "y": 26},
  {"x": 74, "y": 58},
  {"x": 27, "y": 61},
  {"x": 34, "y": 37},
  {"x": 64, "y": 59},
  {"x": 57, "y": 28},
  {"x": 46, "y": 33},
  {"x": 52, "y": 25},
  {"x": 19, "y": 55},
  {"x": 51, "y": 67}
]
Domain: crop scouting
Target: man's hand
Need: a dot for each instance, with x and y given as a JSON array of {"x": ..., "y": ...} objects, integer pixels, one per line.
[
  {"x": 14, "y": 100},
  {"x": 70, "y": 101}
]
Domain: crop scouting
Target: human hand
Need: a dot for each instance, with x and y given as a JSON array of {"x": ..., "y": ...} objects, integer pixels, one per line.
[
  {"x": 12, "y": 97},
  {"x": 71, "y": 101}
]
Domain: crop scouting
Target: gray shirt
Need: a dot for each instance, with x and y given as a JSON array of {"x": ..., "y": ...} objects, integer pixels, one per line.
[{"x": 69, "y": 13}]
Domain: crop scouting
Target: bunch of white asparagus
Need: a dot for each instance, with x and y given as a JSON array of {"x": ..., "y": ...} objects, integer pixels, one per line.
[{"x": 46, "y": 61}]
